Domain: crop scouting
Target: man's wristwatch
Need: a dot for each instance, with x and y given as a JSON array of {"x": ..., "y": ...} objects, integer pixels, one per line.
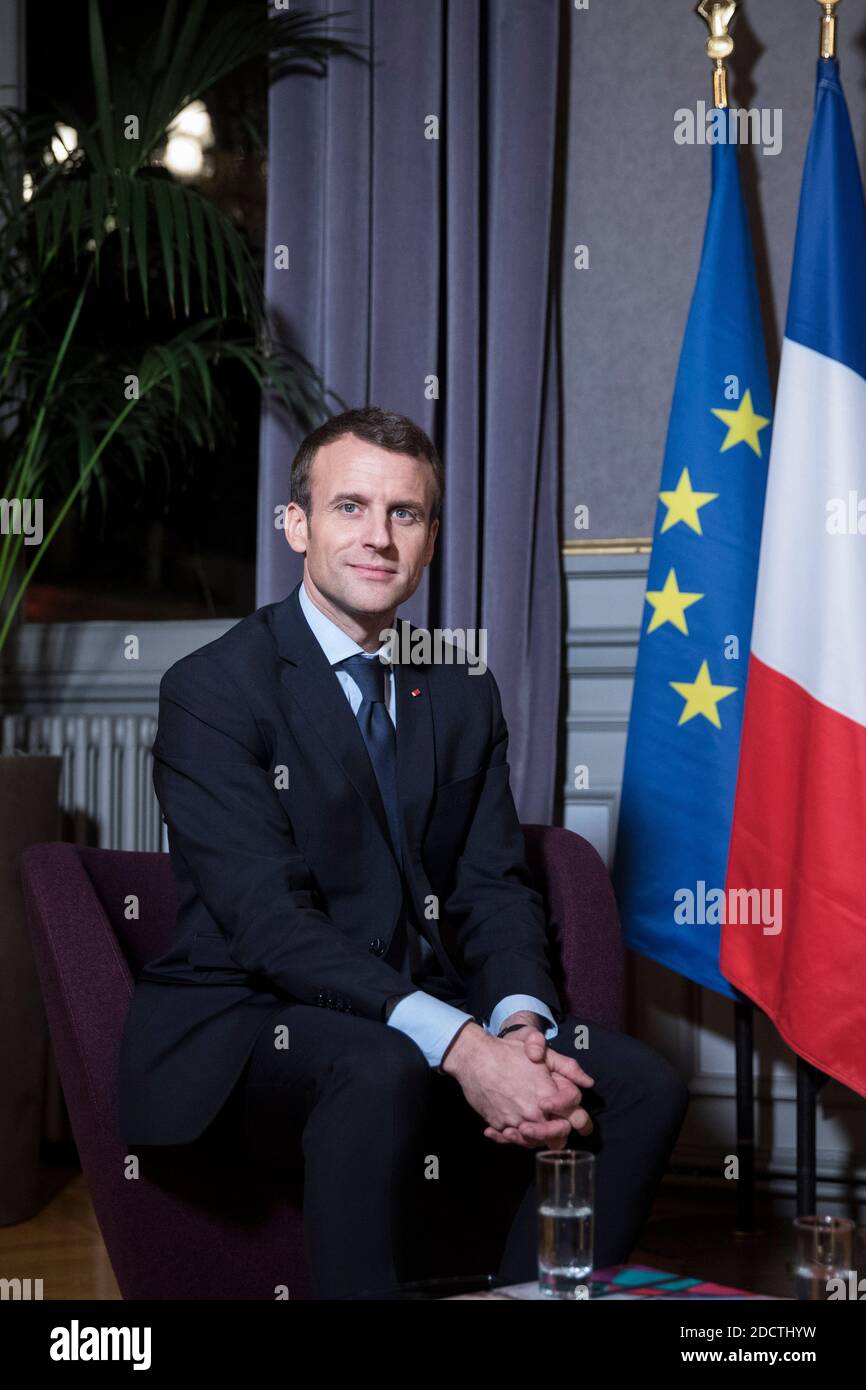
[{"x": 511, "y": 1028}]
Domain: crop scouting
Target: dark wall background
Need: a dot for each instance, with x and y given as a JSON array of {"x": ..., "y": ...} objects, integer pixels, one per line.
[{"x": 639, "y": 201}]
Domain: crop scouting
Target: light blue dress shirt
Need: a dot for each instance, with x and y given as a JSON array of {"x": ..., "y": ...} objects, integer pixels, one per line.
[{"x": 428, "y": 1021}]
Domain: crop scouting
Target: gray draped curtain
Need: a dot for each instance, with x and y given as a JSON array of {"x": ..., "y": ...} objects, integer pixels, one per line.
[{"x": 415, "y": 260}]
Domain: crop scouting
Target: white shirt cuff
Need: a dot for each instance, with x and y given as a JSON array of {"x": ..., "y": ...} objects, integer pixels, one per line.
[
  {"x": 514, "y": 1003},
  {"x": 429, "y": 1022}
]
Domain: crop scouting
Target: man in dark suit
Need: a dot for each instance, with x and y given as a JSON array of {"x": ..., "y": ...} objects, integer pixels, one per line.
[{"x": 356, "y": 924}]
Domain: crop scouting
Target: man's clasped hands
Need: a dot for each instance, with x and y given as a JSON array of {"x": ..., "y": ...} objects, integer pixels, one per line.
[{"x": 528, "y": 1094}]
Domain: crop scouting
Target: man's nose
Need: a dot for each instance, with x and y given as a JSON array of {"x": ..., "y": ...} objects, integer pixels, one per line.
[{"x": 377, "y": 532}]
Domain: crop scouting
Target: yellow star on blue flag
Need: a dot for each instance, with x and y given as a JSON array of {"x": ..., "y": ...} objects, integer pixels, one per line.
[
  {"x": 744, "y": 425},
  {"x": 679, "y": 780}
]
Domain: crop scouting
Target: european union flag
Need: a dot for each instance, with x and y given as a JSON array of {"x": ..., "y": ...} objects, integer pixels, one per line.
[{"x": 680, "y": 772}]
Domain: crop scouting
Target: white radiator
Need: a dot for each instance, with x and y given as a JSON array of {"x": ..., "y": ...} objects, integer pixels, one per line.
[{"x": 106, "y": 791}]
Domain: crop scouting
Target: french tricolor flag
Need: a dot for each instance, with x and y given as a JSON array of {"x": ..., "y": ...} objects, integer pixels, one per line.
[{"x": 800, "y": 810}]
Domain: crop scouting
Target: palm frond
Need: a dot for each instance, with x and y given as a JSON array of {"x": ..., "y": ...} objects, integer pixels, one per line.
[
  {"x": 102, "y": 90},
  {"x": 109, "y": 204}
]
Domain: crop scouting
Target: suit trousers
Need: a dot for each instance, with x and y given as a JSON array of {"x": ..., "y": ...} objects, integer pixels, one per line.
[{"x": 399, "y": 1182}]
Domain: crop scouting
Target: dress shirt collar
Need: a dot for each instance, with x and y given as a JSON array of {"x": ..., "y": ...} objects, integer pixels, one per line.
[{"x": 335, "y": 643}]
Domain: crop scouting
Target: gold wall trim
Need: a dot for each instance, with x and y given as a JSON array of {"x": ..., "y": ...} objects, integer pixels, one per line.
[{"x": 611, "y": 545}]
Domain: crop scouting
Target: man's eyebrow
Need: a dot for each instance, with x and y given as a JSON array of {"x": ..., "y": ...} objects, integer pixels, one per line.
[{"x": 414, "y": 505}]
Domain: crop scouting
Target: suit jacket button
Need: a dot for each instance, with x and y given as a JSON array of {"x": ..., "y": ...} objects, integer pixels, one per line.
[{"x": 377, "y": 946}]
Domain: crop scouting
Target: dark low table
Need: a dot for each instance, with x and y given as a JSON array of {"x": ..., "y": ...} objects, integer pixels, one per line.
[
  {"x": 454, "y": 1286},
  {"x": 627, "y": 1281}
]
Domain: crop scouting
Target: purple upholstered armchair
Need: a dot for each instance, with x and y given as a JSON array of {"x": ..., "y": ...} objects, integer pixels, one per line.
[{"x": 221, "y": 1240}]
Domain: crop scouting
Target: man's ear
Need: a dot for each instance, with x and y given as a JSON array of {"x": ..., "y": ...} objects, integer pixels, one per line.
[
  {"x": 431, "y": 540},
  {"x": 295, "y": 528}
]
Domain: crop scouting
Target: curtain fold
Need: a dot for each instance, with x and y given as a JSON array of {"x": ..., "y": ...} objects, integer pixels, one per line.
[{"x": 421, "y": 278}]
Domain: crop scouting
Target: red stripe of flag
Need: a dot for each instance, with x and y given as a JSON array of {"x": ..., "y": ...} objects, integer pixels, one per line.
[{"x": 800, "y": 825}]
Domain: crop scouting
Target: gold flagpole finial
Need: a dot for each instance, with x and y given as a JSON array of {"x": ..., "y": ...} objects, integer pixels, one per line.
[
  {"x": 720, "y": 45},
  {"x": 828, "y": 28}
]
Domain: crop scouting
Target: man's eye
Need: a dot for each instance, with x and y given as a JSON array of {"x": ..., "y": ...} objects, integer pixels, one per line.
[{"x": 349, "y": 504}]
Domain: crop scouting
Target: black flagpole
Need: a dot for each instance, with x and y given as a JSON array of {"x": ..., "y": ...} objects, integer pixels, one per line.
[
  {"x": 809, "y": 1082},
  {"x": 745, "y": 1052}
]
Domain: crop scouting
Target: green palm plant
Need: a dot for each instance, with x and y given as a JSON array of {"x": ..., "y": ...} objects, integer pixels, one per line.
[{"x": 73, "y": 228}]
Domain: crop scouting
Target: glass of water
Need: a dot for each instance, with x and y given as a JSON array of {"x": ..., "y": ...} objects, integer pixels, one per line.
[
  {"x": 823, "y": 1255},
  {"x": 565, "y": 1186}
]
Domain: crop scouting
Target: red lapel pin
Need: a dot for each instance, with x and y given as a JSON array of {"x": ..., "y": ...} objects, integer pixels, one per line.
[{"x": 417, "y": 690}]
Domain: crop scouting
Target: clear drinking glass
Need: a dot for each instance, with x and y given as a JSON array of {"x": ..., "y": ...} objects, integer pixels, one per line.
[
  {"x": 824, "y": 1246},
  {"x": 565, "y": 1187}
]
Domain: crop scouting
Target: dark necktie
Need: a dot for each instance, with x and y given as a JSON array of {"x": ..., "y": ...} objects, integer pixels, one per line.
[
  {"x": 412, "y": 956},
  {"x": 379, "y": 735}
]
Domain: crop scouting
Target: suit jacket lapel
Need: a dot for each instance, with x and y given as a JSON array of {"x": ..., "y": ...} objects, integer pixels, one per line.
[
  {"x": 416, "y": 780},
  {"x": 310, "y": 681},
  {"x": 416, "y": 770},
  {"x": 308, "y": 678}
]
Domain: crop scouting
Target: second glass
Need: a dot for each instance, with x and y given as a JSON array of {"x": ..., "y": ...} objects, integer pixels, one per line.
[{"x": 565, "y": 1186}]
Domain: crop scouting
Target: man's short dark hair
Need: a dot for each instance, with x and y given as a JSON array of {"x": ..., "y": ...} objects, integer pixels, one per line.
[{"x": 377, "y": 426}]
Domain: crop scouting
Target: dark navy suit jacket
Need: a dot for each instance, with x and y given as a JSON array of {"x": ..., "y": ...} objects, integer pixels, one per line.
[{"x": 291, "y": 893}]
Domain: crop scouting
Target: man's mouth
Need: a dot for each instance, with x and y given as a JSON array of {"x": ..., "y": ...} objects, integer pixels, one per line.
[{"x": 373, "y": 571}]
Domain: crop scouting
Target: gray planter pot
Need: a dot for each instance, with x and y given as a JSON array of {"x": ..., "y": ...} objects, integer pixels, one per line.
[{"x": 29, "y": 813}]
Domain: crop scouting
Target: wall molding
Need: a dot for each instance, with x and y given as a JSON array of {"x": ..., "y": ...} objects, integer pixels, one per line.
[
  {"x": 82, "y": 666},
  {"x": 612, "y": 545}
]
